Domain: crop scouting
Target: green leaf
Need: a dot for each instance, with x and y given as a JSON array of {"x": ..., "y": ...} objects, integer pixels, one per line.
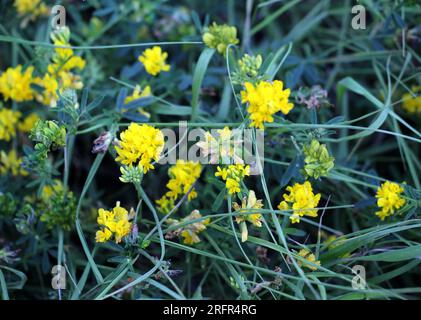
[{"x": 199, "y": 74}]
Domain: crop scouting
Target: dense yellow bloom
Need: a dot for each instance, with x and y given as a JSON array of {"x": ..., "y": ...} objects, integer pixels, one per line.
[
  {"x": 248, "y": 203},
  {"x": 302, "y": 200},
  {"x": 60, "y": 75},
  {"x": 138, "y": 93},
  {"x": 140, "y": 144},
  {"x": 182, "y": 177},
  {"x": 310, "y": 257},
  {"x": 265, "y": 99},
  {"x": 34, "y": 8},
  {"x": 11, "y": 163},
  {"x": 113, "y": 223},
  {"x": 154, "y": 60},
  {"x": 232, "y": 175},
  {"x": 64, "y": 59},
  {"x": 28, "y": 123},
  {"x": 410, "y": 103},
  {"x": 389, "y": 199},
  {"x": 8, "y": 123},
  {"x": 16, "y": 85},
  {"x": 190, "y": 232}
]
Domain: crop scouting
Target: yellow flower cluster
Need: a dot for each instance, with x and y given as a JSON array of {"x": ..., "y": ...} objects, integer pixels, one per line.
[
  {"x": 410, "y": 103},
  {"x": 189, "y": 232},
  {"x": 310, "y": 257},
  {"x": 140, "y": 144},
  {"x": 182, "y": 177},
  {"x": 389, "y": 199},
  {"x": 11, "y": 163},
  {"x": 8, "y": 123},
  {"x": 265, "y": 99},
  {"x": 113, "y": 223},
  {"x": 232, "y": 175},
  {"x": 60, "y": 71},
  {"x": 154, "y": 60},
  {"x": 302, "y": 200},
  {"x": 34, "y": 8},
  {"x": 16, "y": 85},
  {"x": 248, "y": 204}
]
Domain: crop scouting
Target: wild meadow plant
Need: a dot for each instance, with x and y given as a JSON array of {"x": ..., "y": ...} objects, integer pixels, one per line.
[{"x": 212, "y": 150}]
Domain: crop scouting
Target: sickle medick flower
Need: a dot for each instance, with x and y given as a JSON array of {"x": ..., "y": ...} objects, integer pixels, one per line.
[
  {"x": 11, "y": 163},
  {"x": 264, "y": 100},
  {"x": 190, "y": 232},
  {"x": 140, "y": 145},
  {"x": 154, "y": 61},
  {"x": 138, "y": 93},
  {"x": 410, "y": 103},
  {"x": 33, "y": 8},
  {"x": 249, "y": 202},
  {"x": 8, "y": 122},
  {"x": 389, "y": 199},
  {"x": 113, "y": 223},
  {"x": 310, "y": 257},
  {"x": 182, "y": 177},
  {"x": 302, "y": 200},
  {"x": 16, "y": 85},
  {"x": 232, "y": 175}
]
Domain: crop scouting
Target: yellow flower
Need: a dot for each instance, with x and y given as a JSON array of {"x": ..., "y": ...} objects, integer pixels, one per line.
[
  {"x": 249, "y": 202},
  {"x": 113, "y": 223},
  {"x": 190, "y": 232},
  {"x": 232, "y": 175},
  {"x": 10, "y": 163},
  {"x": 16, "y": 85},
  {"x": 265, "y": 99},
  {"x": 223, "y": 173},
  {"x": 138, "y": 93},
  {"x": 28, "y": 123},
  {"x": 140, "y": 144},
  {"x": 310, "y": 257},
  {"x": 34, "y": 8},
  {"x": 103, "y": 235},
  {"x": 154, "y": 60},
  {"x": 60, "y": 74},
  {"x": 8, "y": 122},
  {"x": 233, "y": 186},
  {"x": 182, "y": 176},
  {"x": 389, "y": 199},
  {"x": 410, "y": 103},
  {"x": 302, "y": 200}
]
